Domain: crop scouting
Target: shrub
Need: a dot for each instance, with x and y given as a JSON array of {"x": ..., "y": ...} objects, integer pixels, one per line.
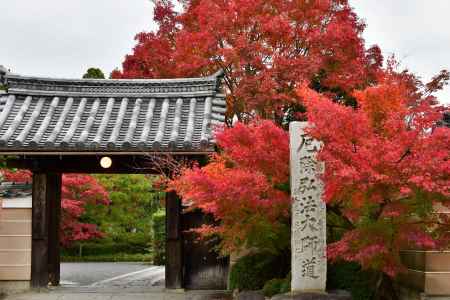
[
  {"x": 105, "y": 248},
  {"x": 286, "y": 285},
  {"x": 159, "y": 237},
  {"x": 252, "y": 271},
  {"x": 350, "y": 277},
  {"x": 273, "y": 287},
  {"x": 117, "y": 257}
]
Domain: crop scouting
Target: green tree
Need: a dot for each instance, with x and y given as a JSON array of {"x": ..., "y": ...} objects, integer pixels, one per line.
[
  {"x": 94, "y": 73},
  {"x": 133, "y": 202},
  {"x": 3, "y": 71}
]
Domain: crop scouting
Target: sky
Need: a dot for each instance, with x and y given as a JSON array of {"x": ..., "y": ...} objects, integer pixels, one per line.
[
  {"x": 64, "y": 38},
  {"x": 416, "y": 31}
]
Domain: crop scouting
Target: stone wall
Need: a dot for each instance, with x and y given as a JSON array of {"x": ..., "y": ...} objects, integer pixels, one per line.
[{"x": 428, "y": 272}]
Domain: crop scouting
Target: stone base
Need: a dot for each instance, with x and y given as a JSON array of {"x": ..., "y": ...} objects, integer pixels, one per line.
[
  {"x": 208, "y": 295},
  {"x": 79, "y": 294},
  {"x": 314, "y": 296},
  {"x": 250, "y": 295}
]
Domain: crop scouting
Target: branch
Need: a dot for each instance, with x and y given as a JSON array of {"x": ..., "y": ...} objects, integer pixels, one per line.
[
  {"x": 337, "y": 212},
  {"x": 407, "y": 152}
]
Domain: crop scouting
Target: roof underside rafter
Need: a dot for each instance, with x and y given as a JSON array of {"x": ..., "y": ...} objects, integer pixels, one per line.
[{"x": 44, "y": 115}]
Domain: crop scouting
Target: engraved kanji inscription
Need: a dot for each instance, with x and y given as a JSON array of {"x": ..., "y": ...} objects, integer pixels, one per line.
[
  {"x": 308, "y": 213},
  {"x": 309, "y": 268}
]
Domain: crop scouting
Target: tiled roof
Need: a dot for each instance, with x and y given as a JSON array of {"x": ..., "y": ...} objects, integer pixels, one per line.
[{"x": 89, "y": 115}]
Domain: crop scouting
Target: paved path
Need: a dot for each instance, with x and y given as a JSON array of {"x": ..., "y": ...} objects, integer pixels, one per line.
[
  {"x": 105, "y": 281},
  {"x": 114, "y": 275},
  {"x": 114, "y": 281}
]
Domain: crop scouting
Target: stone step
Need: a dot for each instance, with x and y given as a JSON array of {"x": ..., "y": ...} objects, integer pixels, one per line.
[{"x": 86, "y": 294}]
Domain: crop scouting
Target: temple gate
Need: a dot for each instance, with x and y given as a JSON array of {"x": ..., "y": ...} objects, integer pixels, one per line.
[{"x": 54, "y": 126}]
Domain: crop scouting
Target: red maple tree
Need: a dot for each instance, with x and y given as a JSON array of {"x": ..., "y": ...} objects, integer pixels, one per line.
[
  {"x": 17, "y": 176},
  {"x": 78, "y": 191},
  {"x": 264, "y": 48},
  {"x": 244, "y": 187},
  {"x": 387, "y": 169}
]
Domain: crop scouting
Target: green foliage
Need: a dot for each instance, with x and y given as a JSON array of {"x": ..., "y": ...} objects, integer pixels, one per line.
[
  {"x": 159, "y": 237},
  {"x": 135, "y": 245},
  {"x": 251, "y": 272},
  {"x": 277, "y": 286},
  {"x": 273, "y": 287},
  {"x": 286, "y": 285},
  {"x": 127, "y": 221},
  {"x": 3, "y": 160},
  {"x": 116, "y": 257},
  {"x": 94, "y": 73},
  {"x": 133, "y": 202},
  {"x": 350, "y": 277},
  {"x": 269, "y": 238}
]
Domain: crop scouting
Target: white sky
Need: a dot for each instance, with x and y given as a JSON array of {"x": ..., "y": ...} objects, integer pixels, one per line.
[
  {"x": 64, "y": 38},
  {"x": 416, "y": 31}
]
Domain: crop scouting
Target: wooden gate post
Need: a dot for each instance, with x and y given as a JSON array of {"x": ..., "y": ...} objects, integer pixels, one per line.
[
  {"x": 174, "y": 243},
  {"x": 54, "y": 216},
  {"x": 39, "y": 243},
  {"x": 46, "y": 199}
]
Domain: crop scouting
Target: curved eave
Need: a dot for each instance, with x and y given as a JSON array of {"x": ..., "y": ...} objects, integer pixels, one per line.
[{"x": 106, "y": 153}]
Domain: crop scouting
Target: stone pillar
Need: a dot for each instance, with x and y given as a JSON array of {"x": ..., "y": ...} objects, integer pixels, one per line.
[{"x": 308, "y": 239}]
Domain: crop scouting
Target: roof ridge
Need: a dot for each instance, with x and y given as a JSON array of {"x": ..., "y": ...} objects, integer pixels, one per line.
[
  {"x": 19, "y": 84},
  {"x": 16, "y": 76}
]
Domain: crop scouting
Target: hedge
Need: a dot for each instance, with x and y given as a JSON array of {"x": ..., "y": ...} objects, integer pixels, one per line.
[
  {"x": 104, "y": 248},
  {"x": 273, "y": 287},
  {"x": 159, "y": 237},
  {"x": 117, "y": 257},
  {"x": 350, "y": 277}
]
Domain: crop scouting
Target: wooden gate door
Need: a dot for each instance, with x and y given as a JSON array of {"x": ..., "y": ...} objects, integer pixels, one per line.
[{"x": 203, "y": 268}]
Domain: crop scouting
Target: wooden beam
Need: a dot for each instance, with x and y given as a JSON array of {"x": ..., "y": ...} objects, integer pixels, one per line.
[
  {"x": 121, "y": 164},
  {"x": 174, "y": 242},
  {"x": 54, "y": 216},
  {"x": 39, "y": 247}
]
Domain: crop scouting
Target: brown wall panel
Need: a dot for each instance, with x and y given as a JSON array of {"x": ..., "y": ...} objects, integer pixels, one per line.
[
  {"x": 15, "y": 244},
  {"x": 15, "y": 227},
  {"x": 15, "y": 214},
  {"x": 15, "y": 257}
]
